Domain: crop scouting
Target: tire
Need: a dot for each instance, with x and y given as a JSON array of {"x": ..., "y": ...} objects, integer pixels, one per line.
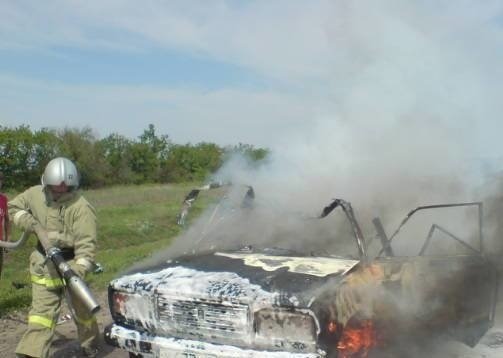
[{"x": 134, "y": 355}]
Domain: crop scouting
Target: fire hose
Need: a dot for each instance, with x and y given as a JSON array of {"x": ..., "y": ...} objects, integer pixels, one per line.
[
  {"x": 75, "y": 285},
  {"x": 11, "y": 246}
]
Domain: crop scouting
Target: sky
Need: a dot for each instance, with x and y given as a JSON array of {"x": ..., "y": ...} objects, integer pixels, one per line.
[{"x": 400, "y": 80}]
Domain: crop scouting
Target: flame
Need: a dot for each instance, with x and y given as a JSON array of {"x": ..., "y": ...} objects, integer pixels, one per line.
[{"x": 357, "y": 339}]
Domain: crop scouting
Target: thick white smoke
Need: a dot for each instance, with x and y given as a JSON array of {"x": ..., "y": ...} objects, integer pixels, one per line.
[
  {"x": 410, "y": 90},
  {"x": 406, "y": 93}
]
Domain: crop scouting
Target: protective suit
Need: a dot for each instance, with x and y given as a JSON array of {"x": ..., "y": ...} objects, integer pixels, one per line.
[{"x": 70, "y": 222}]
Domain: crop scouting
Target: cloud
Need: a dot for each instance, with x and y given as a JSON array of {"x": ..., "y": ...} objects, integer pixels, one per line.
[
  {"x": 294, "y": 38},
  {"x": 225, "y": 116},
  {"x": 280, "y": 39}
]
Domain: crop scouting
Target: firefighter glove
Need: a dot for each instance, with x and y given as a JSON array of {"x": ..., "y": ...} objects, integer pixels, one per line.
[{"x": 80, "y": 270}]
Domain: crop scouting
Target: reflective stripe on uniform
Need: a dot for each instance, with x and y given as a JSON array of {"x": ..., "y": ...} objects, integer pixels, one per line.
[
  {"x": 47, "y": 282},
  {"x": 41, "y": 320},
  {"x": 18, "y": 215}
]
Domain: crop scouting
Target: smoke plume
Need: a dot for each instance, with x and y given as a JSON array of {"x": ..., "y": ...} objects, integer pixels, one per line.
[
  {"x": 406, "y": 103},
  {"x": 412, "y": 89}
]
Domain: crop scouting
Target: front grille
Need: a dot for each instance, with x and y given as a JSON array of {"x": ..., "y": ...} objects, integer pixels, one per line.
[{"x": 215, "y": 322}]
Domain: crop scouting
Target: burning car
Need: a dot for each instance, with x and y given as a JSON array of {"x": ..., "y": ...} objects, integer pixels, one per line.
[{"x": 276, "y": 302}]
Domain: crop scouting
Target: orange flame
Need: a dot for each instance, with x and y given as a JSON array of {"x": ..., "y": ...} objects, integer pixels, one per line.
[{"x": 357, "y": 339}]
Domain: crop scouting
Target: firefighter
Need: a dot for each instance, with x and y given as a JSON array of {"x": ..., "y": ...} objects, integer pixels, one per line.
[{"x": 70, "y": 223}]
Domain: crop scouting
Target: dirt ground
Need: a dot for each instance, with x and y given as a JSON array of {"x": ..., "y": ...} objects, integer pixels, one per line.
[{"x": 66, "y": 345}]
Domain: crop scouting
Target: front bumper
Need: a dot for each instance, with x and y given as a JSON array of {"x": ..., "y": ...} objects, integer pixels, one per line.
[{"x": 149, "y": 345}]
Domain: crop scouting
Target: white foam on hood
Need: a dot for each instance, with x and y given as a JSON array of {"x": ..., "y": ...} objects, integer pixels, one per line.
[
  {"x": 187, "y": 284},
  {"x": 315, "y": 266},
  {"x": 183, "y": 282}
]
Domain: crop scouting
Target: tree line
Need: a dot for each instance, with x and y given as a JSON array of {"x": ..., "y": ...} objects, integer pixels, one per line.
[{"x": 115, "y": 159}]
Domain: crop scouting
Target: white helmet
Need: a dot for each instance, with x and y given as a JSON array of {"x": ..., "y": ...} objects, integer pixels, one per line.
[{"x": 61, "y": 170}]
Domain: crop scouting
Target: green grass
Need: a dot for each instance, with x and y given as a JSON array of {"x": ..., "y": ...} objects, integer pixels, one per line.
[{"x": 133, "y": 223}]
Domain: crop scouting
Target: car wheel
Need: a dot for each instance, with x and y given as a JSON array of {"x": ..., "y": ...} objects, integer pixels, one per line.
[{"x": 134, "y": 355}]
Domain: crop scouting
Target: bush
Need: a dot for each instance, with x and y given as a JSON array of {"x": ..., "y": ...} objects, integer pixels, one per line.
[{"x": 113, "y": 160}]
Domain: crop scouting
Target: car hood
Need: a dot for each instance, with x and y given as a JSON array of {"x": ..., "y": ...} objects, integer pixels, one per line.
[{"x": 282, "y": 279}]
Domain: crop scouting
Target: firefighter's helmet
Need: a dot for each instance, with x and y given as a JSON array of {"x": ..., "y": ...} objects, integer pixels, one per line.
[{"x": 61, "y": 170}]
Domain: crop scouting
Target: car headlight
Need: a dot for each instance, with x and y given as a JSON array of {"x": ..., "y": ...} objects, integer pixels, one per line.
[
  {"x": 132, "y": 309},
  {"x": 286, "y": 329},
  {"x": 118, "y": 301}
]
